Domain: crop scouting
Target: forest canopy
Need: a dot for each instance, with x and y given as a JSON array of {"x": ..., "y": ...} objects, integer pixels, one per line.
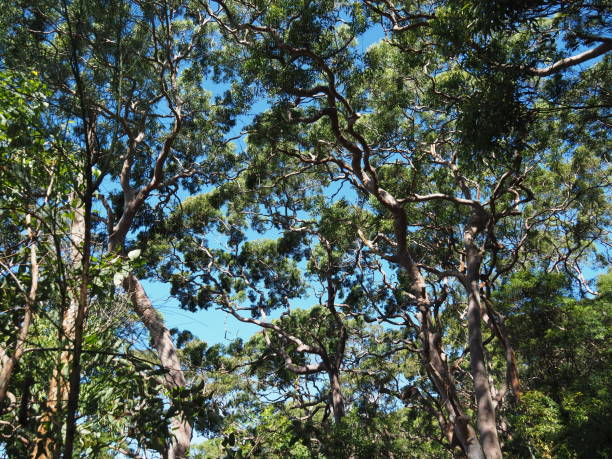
[{"x": 409, "y": 201}]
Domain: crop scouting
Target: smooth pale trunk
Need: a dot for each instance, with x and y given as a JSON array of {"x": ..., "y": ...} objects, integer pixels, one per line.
[
  {"x": 160, "y": 335},
  {"x": 437, "y": 369},
  {"x": 9, "y": 363},
  {"x": 461, "y": 429},
  {"x": 162, "y": 342},
  {"x": 7, "y": 369},
  {"x": 485, "y": 409},
  {"x": 487, "y": 427}
]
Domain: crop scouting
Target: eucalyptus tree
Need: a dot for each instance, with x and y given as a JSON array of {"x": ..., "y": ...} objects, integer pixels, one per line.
[
  {"x": 409, "y": 180},
  {"x": 443, "y": 131},
  {"x": 290, "y": 415},
  {"x": 205, "y": 249},
  {"x": 130, "y": 76},
  {"x": 251, "y": 279},
  {"x": 38, "y": 184},
  {"x": 42, "y": 223}
]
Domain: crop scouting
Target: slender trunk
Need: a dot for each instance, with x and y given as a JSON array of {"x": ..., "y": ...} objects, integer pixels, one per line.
[
  {"x": 460, "y": 430},
  {"x": 9, "y": 365},
  {"x": 48, "y": 432},
  {"x": 337, "y": 398},
  {"x": 153, "y": 321},
  {"x": 487, "y": 427},
  {"x": 79, "y": 324},
  {"x": 162, "y": 342},
  {"x": 336, "y": 395},
  {"x": 7, "y": 370},
  {"x": 497, "y": 325}
]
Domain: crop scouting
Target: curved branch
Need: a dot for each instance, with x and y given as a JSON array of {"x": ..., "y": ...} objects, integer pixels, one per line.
[{"x": 573, "y": 60}]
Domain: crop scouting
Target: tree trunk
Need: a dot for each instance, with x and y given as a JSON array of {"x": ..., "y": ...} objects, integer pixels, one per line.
[
  {"x": 336, "y": 395},
  {"x": 48, "y": 443},
  {"x": 153, "y": 321},
  {"x": 7, "y": 369},
  {"x": 497, "y": 326},
  {"x": 81, "y": 314},
  {"x": 48, "y": 432},
  {"x": 162, "y": 342},
  {"x": 487, "y": 427},
  {"x": 462, "y": 432}
]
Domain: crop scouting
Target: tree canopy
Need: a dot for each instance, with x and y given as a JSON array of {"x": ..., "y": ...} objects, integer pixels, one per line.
[{"x": 410, "y": 201}]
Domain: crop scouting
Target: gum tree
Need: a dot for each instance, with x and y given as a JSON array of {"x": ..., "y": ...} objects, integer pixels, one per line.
[{"x": 440, "y": 128}]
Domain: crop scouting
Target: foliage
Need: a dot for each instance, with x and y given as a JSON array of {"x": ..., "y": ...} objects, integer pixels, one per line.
[
  {"x": 561, "y": 341},
  {"x": 411, "y": 200}
]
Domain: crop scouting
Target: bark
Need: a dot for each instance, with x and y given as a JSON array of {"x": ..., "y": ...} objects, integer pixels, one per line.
[
  {"x": 48, "y": 431},
  {"x": 459, "y": 431},
  {"x": 47, "y": 444},
  {"x": 162, "y": 342},
  {"x": 473, "y": 448},
  {"x": 487, "y": 426},
  {"x": 82, "y": 306},
  {"x": 336, "y": 395},
  {"x": 497, "y": 325}
]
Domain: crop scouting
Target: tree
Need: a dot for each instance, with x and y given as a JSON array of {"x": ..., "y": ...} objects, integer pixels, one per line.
[
  {"x": 404, "y": 124},
  {"x": 28, "y": 191},
  {"x": 560, "y": 342},
  {"x": 133, "y": 81},
  {"x": 401, "y": 191},
  {"x": 41, "y": 183}
]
